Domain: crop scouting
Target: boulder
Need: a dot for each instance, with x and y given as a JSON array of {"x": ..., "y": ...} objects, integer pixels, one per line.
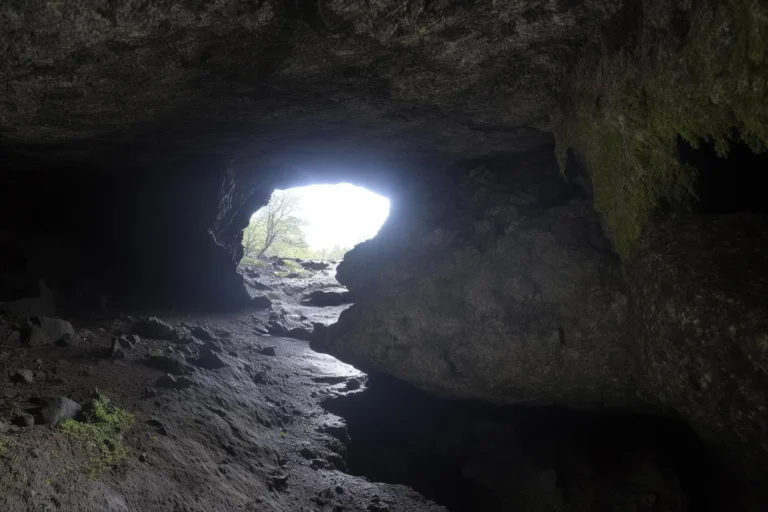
[
  {"x": 155, "y": 328},
  {"x": 59, "y": 409},
  {"x": 41, "y": 330},
  {"x": 121, "y": 347},
  {"x": 25, "y": 376},
  {"x": 509, "y": 293},
  {"x": 202, "y": 332}
]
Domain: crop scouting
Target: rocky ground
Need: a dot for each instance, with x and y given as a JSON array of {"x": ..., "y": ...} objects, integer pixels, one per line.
[
  {"x": 225, "y": 415},
  {"x": 210, "y": 412}
]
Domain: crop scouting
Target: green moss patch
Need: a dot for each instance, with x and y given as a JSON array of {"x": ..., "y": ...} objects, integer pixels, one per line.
[
  {"x": 702, "y": 76},
  {"x": 5, "y": 446},
  {"x": 101, "y": 433}
]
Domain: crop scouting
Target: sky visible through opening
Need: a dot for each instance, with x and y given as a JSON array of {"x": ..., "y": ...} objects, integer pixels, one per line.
[{"x": 338, "y": 215}]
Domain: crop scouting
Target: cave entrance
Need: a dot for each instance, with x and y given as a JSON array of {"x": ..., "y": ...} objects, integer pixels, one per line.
[
  {"x": 291, "y": 249},
  {"x": 316, "y": 222}
]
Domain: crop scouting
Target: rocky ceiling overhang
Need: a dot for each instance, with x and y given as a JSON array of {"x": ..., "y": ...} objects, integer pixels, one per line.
[{"x": 84, "y": 81}]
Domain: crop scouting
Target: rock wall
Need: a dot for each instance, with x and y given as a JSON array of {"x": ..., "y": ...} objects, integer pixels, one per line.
[
  {"x": 499, "y": 286},
  {"x": 698, "y": 288}
]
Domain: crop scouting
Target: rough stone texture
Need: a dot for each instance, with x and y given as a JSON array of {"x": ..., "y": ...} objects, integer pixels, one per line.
[
  {"x": 40, "y": 330},
  {"x": 59, "y": 409},
  {"x": 435, "y": 73},
  {"x": 698, "y": 287},
  {"x": 153, "y": 327},
  {"x": 510, "y": 294}
]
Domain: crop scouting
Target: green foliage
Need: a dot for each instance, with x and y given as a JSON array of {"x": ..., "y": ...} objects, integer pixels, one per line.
[
  {"x": 626, "y": 107},
  {"x": 5, "y": 446},
  {"x": 274, "y": 230},
  {"x": 101, "y": 433}
]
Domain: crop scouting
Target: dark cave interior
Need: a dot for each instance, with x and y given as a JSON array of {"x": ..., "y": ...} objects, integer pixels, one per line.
[{"x": 518, "y": 355}]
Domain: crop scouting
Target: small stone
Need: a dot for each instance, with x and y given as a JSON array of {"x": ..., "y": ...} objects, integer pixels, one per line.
[
  {"x": 143, "y": 458},
  {"x": 149, "y": 392},
  {"x": 307, "y": 453},
  {"x": 25, "y": 376},
  {"x": 259, "y": 378},
  {"x": 339, "y": 489},
  {"x": 24, "y": 420},
  {"x": 133, "y": 338},
  {"x": 268, "y": 351},
  {"x": 121, "y": 347},
  {"x": 59, "y": 409}
]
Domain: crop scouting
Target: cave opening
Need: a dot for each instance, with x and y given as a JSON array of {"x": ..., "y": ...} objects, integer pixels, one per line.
[{"x": 321, "y": 222}]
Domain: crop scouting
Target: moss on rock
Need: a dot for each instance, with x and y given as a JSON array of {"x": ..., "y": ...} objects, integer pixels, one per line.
[
  {"x": 102, "y": 433},
  {"x": 665, "y": 73}
]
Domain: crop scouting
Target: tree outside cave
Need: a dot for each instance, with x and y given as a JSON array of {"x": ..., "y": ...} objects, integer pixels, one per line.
[{"x": 314, "y": 222}]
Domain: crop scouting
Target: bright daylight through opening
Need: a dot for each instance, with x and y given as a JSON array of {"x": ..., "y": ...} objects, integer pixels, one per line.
[{"x": 314, "y": 222}]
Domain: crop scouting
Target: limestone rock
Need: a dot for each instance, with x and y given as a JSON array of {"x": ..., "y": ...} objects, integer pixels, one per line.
[
  {"x": 121, "y": 347},
  {"x": 153, "y": 327},
  {"x": 26, "y": 376},
  {"x": 41, "y": 330},
  {"x": 59, "y": 409},
  {"x": 698, "y": 286},
  {"x": 510, "y": 293}
]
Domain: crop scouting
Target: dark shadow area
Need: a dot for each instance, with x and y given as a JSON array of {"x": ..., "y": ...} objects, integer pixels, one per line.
[
  {"x": 472, "y": 457},
  {"x": 727, "y": 185}
]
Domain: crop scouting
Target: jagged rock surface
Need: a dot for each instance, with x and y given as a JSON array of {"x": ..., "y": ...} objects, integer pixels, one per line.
[{"x": 510, "y": 294}]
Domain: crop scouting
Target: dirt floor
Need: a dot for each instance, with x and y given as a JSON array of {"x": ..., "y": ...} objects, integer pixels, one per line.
[{"x": 241, "y": 426}]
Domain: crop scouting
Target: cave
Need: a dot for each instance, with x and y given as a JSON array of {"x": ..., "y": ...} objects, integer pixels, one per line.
[{"x": 564, "y": 310}]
